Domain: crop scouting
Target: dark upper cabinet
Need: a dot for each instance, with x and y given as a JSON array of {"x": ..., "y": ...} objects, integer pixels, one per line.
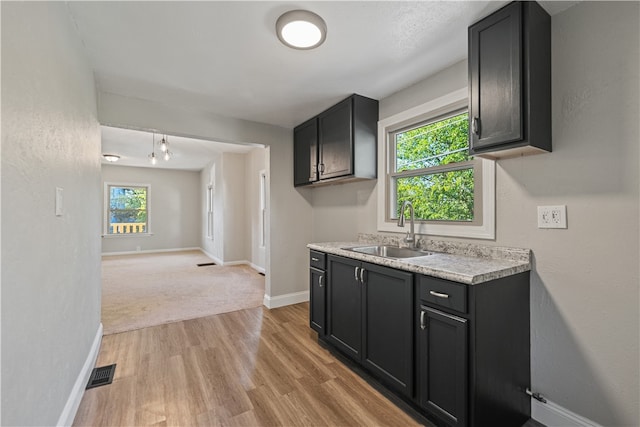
[
  {"x": 305, "y": 153},
  {"x": 338, "y": 144},
  {"x": 510, "y": 82}
]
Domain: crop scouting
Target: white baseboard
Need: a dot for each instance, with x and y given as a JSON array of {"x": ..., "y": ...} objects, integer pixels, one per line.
[
  {"x": 240, "y": 262},
  {"x": 213, "y": 257},
  {"x": 553, "y": 415},
  {"x": 286, "y": 299},
  {"x": 151, "y": 251},
  {"x": 257, "y": 268},
  {"x": 75, "y": 397}
]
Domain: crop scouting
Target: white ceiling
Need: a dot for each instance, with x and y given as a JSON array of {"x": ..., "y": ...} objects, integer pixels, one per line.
[
  {"x": 134, "y": 147},
  {"x": 224, "y": 57}
]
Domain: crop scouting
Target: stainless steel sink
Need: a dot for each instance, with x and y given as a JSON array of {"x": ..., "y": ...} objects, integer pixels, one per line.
[{"x": 389, "y": 251}]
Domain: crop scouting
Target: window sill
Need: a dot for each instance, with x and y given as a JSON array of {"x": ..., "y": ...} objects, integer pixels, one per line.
[{"x": 111, "y": 236}]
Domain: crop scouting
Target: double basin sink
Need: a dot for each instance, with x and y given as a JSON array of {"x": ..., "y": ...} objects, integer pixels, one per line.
[{"x": 390, "y": 251}]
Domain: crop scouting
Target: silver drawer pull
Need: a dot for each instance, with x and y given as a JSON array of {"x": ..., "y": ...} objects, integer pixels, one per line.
[
  {"x": 355, "y": 276},
  {"x": 314, "y": 259},
  {"x": 423, "y": 324},
  {"x": 438, "y": 294},
  {"x": 320, "y": 280}
]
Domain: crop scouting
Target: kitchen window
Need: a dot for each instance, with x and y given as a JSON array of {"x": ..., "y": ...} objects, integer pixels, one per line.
[
  {"x": 425, "y": 159},
  {"x": 126, "y": 209}
]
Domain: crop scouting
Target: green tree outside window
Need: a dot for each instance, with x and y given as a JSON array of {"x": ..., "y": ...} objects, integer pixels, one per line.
[{"x": 433, "y": 170}]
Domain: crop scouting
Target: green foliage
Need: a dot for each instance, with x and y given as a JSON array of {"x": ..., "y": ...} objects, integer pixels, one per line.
[
  {"x": 444, "y": 195},
  {"x": 128, "y": 204}
]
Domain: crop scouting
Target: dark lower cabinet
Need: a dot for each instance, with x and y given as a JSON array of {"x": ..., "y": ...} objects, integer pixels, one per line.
[
  {"x": 370, "y": 313},
  {"x": 442, "y": 366},
  {"x": 387, "y": 348},
  {"x": 458, "y": 354},
  {"x": 344, "y": 305},
  {"x": 474, "y": 351},
  {"x": 317, "y": 292},
  {"x": 317, "y": 300}
]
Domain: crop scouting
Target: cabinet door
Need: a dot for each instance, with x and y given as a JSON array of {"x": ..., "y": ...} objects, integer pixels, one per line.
[
  {"x": 317, "y": 300},
  {"x": 336, "y": 140},
  {"x": 388, "y": 326},
  {"x": 305, "y": 153},
  {"x": 344, "y": 307},
  {"x": 495, "y": 79},
  {"x": 442, "y": 365}
]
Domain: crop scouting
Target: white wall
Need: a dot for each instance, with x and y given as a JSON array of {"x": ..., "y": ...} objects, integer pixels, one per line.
[
  {"x": 174, "y": 208},
  {"x": 256, "y": 163},
  {"x": 585, "y": 281},
  {"x": 50, "y": 264},
  {"x": 289, "y": 210}
]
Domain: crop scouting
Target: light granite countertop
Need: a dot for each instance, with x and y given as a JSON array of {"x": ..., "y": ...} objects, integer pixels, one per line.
[{"x": 459, "y": 262}]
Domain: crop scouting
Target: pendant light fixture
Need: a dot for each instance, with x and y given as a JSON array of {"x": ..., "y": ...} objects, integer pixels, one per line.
[
  {"x": 152, "y": 157},
  {"x": 301, "y": 29},
  {"x": 164, "y": 147}
]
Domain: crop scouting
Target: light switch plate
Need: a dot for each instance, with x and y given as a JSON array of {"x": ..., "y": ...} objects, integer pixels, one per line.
[
  {"x": 59, "y": 201},
  {"x": 552, "y": 216}
]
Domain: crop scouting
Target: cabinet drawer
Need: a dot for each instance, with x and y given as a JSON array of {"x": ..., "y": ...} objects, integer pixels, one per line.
[
  {"x": 444, "y": 293},
  {"x": 317, "y": 259}
]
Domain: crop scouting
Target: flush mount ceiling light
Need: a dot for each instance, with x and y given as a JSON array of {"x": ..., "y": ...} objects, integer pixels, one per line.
[
  {"x": 301, "y": 29},
  {"x": 111, "y": 157}
]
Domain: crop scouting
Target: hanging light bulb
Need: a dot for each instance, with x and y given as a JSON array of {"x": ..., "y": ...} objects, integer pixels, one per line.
[
  {"x": 152, "y": 157},
  {"x": 164, "y": 144},
  {"x": 167, "y": 155}
]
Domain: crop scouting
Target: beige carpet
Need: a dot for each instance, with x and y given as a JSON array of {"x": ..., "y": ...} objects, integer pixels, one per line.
[{"x": 152, "y": 289}]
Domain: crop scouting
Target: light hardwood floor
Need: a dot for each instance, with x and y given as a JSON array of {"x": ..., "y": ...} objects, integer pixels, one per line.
[
  {"x": 246, "y": 368},
  {"x": 251, "y": 367}
]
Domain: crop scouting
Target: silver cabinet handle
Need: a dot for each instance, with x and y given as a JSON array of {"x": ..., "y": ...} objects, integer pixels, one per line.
[
  {"x": 362, "y": 276},
  {"x": 320, "y": 281},
  {"x": 356, "y": 274},
  {"x": 314, "y": 259},
  {"x": 423, "y": 325},
  {"x": 476, "y": 126},
  {"x": 438, "y": 294}
]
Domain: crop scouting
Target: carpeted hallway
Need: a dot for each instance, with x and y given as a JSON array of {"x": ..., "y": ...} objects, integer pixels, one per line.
[{"x": 145, "y": 290}]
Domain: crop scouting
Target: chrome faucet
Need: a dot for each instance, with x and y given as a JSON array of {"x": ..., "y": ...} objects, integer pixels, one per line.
[{"x": 411, "y": 235}]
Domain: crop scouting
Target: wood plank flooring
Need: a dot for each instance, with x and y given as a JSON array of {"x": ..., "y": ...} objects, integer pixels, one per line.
[{"x": 253, "y": 367}]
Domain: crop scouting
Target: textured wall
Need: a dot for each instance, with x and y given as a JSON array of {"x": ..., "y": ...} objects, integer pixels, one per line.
[
  {"x": 50, "y": 264},
  {"x": 585, "y": 281},
  {"x": 174, "y": 208}
]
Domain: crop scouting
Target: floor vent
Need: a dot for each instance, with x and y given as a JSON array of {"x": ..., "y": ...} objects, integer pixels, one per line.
[
  {"x": 204, "y": 264},
  {"x": 101, "y": 376}
]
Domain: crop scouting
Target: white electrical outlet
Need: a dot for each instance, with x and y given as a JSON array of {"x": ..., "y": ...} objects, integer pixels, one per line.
[{"x": 552, "y": 216}]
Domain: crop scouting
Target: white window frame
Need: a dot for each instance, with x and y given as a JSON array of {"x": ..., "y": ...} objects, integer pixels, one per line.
[
  {"x": 486, "y": 228},
  {"x": 106, "y": 204}
]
